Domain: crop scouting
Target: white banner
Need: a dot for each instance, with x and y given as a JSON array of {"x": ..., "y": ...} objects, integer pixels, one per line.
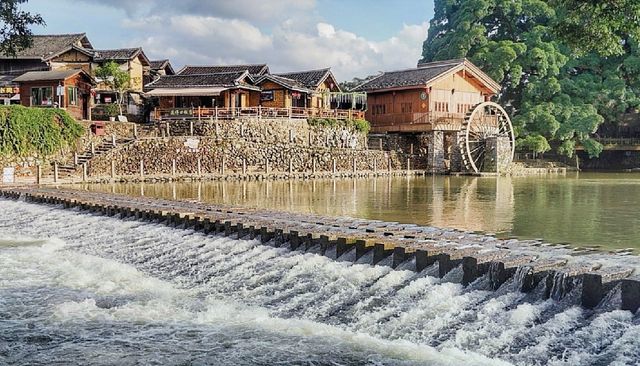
[{"x": 8, "y": 175}]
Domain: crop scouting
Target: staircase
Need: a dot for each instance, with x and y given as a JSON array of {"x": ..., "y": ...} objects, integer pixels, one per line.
[{"x": 75, "y": 168}]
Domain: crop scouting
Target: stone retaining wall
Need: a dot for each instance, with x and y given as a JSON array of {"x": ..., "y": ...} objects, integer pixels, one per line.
[{"x": 157, "y": 156}]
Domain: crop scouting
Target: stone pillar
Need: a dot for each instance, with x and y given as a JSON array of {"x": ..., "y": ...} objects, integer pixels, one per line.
[
  {"x": 497, "y": 154},
  {"x": 456, "y": 154},
  {"x": 435, "y": 152}
]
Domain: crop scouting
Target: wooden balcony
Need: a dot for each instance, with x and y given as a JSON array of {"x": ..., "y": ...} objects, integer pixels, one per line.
[
  {"x": 163, "y": 114},
  {"x": 417, "y": 122}
]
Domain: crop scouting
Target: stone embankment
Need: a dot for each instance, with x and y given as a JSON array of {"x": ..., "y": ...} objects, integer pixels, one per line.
[{"x": 556, "y": 272}]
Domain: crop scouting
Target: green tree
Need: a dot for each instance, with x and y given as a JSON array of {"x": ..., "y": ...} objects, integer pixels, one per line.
[
  {"x": 115, "y": 78},
  {"x": 15, "y": 34},
  {"x": 550, "y": 94}
]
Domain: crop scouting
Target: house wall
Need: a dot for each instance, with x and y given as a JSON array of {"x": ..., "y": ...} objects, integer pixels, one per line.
[
  {"x": 77, "y": 111},
  {"x": 281, "y": 96},
  {"x": 399, "y": 107},
  {"x": 136, "y": 72},
  {"x": 320, "y": 98},
  {"x": 457, "y": 92},
  {"x": 72, "y": 60}
]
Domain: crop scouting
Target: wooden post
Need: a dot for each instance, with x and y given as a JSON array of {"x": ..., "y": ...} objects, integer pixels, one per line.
[
  {"x": 290, "y": 135},
  {"x": 141, "y": 168},
  {"x": 198, "y": 118},
  {"x": 260, "y": 112},
  {"x": 334, "y": 166},
  {"x": 242, "y": 130},
  {"x": 168, "y": 129},
  {"x": 84, "y": 172},
  {"x": 217, "y": 129},
  {"x": 380, "y": 140},
  {"x": 75, "y": 158},
  {"x": 199, "y": 166},
  {"x": 113, "y": 169},
  {"x": 389, "y": 163},
  {"x": 173, "y": 167},
  {"x": 222, "y": 165},
  {"x": 93, "y": 148},
  {"x": 355, "y": 169},
  {"x": 411, "y": 149},
  {"x": 135, "y": 131},
  {"x": 290, "y": 165},
  {"x": 216, "y": 116},
  {"x": 313, "y": 165},
  {"x": 375, "y": 165},
  {"x": 38, "y": 174},
  {"x": 244, "y": 166},
  {"x": 191, "y": 123},
  {"x": 55, "y": 172},
  {"x": 266, "y": 166},
  {"x": 408, "y": 164},
  {"x": 113, "y": 140}
]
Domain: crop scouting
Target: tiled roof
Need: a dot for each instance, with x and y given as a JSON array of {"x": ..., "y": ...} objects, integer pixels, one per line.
[
  {"x": 121, "y": 54},
  {"x": 47, "y": 45},
  {"x": 198, "y": 80},
  {"x": 257, "y": 69},
  {"x": 410, "y": 77},
  {"x": 161, "y": 64},
  {"x": 286, "y": 82},
  {"x": 311, "y": 79},
  {"x": 47, "y": 75}
]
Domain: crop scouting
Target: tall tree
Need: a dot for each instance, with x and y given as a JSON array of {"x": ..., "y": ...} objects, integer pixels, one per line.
[
  {"x": 15, "y": 32},
  {"x": 552, "y": 96}
]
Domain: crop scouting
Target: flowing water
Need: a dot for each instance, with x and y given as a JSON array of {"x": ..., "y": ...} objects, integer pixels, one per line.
[
  {"x": 79, "y": 289},
  {"x": 585, "y": 209}
]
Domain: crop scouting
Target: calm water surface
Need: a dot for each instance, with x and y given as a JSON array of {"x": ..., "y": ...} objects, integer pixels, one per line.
[{"x": 583, "y": 209}]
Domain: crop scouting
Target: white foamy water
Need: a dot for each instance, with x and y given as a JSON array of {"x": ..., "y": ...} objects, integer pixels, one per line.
[{"x": 85, "y": 289}]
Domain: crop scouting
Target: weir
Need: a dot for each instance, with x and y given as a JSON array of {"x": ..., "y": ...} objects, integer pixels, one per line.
[{"x": 525, "y": 264}]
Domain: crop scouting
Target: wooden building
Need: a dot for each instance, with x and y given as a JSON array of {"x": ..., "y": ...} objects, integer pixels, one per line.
[
  {"x": 309, "y": 89},
  {"x": 157, "y": 68},
  {"x": 68, "y": 89},
  {"x": 434, "y": 95},
  {"x": 223, "y": 90}
]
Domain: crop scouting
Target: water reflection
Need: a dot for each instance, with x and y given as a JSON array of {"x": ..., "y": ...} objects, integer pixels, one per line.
[{"x": 589, "y": 209}]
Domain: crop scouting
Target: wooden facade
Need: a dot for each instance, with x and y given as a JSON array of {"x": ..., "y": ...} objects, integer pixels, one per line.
[
  {"x": 433, "y": 96},
  {"x": 40, "y": 89}
]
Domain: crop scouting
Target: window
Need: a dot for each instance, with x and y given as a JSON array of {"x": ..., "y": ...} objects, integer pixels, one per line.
[
  {"x": 406, "y": 107},
  {"x": 42, "y": 96},
  {"x": 378, "y": 109},
  {"x": 72, "y": 94},
  {"x": 441, "y": 106}
]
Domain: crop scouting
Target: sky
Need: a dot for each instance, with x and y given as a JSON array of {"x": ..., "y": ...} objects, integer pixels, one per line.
[{"x": 355, "y": 38}]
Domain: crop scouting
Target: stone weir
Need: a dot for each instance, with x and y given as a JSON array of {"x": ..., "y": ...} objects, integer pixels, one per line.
[{"x": 585, "y": 276}]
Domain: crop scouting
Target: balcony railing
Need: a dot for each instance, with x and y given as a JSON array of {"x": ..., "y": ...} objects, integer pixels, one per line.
[{"x": 216, "y": 113}]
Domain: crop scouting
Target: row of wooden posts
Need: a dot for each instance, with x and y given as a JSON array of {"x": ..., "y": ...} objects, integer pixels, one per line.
[{"x": 223, "y": 169}]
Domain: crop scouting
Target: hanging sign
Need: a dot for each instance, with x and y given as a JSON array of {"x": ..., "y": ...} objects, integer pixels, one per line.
[{"x": 8, "y": 175}]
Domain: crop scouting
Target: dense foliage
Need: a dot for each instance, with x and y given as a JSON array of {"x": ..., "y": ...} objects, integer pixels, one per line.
[
  {"x": 26, "y": 131},
  {"x": 556, "y": 92},
  {"x": 15, "y": 34},
  {"x": 359, "y": 125}
]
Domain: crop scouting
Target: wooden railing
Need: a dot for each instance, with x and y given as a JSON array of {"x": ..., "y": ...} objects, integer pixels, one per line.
[
  {"x": 258, "y": 112},
  {"x": 418, "y": 122}
]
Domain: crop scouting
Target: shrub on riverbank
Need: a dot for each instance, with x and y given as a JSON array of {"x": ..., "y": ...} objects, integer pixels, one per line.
[
  {"x": 29, "y": 131},
  {"x": 359, "y": 125}
]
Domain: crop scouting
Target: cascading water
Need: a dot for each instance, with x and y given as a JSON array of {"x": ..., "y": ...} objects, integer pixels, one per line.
[{"x": 84, "y": 289}]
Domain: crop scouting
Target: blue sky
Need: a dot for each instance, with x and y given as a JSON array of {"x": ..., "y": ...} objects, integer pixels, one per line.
[{"x": 355, "y": 38}]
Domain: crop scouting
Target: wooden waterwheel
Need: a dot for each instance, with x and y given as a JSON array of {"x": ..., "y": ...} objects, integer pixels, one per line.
[{"x": 485, "y": 120}]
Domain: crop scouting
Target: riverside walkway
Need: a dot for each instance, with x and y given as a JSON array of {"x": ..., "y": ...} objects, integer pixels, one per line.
[{"x": 519, "y": 265}]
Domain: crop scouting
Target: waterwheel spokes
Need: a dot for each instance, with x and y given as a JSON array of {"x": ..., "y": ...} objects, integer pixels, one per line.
[{"x": 486, "y": 120}]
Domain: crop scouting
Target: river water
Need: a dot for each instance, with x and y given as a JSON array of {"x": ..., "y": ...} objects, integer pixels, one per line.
[
  {"x": 81, "y": 289},
  {"x": 582, "y": 209}
]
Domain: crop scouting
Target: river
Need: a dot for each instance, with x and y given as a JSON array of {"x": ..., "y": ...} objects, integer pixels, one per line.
[
  {"x": 82, "y": 289},
  {"x": 581, "y": 209}
]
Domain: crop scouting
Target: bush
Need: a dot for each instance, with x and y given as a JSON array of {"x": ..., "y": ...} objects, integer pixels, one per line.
[
  {"x": 28, "y": 131},
  {"x": 359, "y": 125}
]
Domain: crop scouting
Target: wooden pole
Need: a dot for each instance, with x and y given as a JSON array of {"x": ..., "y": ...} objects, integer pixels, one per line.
[
  {"x": 313, "y": 165},
  {"x": 84, "y": 172},
  {"x": 408, "y": 164},
  {"x": 38, "y": 174},
  {"x": 354, "y": 165},
  {"x": 141, "y": 168},
  {"x": 93, "y": 148},
  {"x": 75, "y": 158},
  {"x": 375, "y": 165},
  {"x": 334, "y": 166},
  {"x": 266, "y": 166},
  {"x": 168, "y": 129},
  {"x": 244, "y": 166},
  {"x": 135, "y": 131},
  {"x": 191, "y": 123},
  {"x": 199, "y": 166},
  {"x": 389, "y": 164},
  {"x": 55, "y": 172},
  {"x": 222, "y": 165},
  {"x": 290, "y": 165},
  {"x": 173, "y": 167},
  {"x": 113, "y": 169},
  {"x": 113, "y": 140},
  {"x": 380, "y": 141}
]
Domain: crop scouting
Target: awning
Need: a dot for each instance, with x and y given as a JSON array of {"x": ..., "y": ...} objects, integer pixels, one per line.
[{"x": 186, "y": 92}]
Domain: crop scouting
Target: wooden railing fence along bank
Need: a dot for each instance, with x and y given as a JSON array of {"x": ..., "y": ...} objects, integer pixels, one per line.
[
  {"x": 520, "y": 265},
  {"x": 218, "y": 113}
]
